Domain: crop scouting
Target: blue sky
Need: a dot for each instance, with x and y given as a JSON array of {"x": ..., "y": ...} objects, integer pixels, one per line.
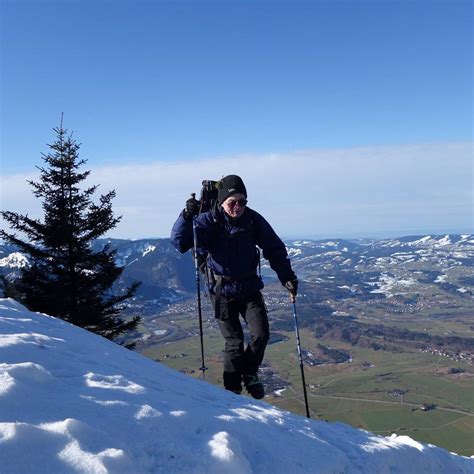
[{"x": 182, "y": 84}]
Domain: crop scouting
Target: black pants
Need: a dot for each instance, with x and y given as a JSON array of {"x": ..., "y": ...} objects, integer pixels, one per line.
[{"x": 237, "y": 360}]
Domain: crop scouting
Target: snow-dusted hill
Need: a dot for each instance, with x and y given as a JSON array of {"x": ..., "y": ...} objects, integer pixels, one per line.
[
  {"x": 71, "y": 401},
  {"x": 339, "y": 268}
]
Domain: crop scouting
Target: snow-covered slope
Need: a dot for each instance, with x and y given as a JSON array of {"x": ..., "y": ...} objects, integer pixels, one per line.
[{"x": 71, "y": 401}]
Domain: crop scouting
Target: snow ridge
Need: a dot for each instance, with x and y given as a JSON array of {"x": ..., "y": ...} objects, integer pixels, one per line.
[{"x": 71, "y": 401}]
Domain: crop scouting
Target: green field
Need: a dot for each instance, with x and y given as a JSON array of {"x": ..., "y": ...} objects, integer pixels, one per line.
[{"x": 353, "y": 393}]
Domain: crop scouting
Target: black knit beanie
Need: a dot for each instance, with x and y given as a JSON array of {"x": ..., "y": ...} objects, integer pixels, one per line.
[{"x": 228, "y": 185}]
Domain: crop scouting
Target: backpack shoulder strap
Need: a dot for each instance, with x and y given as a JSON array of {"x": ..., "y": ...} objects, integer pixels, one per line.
[{"x": 253, "y": 227}]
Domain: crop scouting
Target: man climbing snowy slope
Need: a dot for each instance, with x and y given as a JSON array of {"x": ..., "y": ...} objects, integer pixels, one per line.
[{"x": 227, "y": 238}]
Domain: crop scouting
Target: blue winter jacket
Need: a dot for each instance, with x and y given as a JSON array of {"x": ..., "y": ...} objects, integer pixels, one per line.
[{"x": 230, "y": 246}]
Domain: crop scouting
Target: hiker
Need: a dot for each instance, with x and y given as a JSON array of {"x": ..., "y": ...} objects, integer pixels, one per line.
[{"x": 226, "y": 239}]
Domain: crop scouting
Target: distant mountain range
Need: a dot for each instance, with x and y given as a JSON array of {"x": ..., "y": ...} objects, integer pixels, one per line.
[{"x": 340, "y": 268}]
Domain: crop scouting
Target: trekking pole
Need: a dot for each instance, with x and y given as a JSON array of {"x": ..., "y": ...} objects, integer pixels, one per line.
[
  {"x": 298, "y": 345},
  {"x": 203, "y": 367}
]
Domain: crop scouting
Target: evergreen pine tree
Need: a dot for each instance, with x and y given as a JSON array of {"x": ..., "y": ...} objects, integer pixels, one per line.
[{"x": 67, "y": 279}]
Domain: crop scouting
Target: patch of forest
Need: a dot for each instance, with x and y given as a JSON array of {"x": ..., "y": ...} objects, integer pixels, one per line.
[{"x": 376, "y": 336}]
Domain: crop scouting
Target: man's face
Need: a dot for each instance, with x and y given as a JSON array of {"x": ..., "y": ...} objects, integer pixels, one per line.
[{"x": 234, "y": 206}]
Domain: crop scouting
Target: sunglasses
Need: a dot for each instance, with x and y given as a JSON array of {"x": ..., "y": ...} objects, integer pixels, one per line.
[{"x": 241, "y": 202}]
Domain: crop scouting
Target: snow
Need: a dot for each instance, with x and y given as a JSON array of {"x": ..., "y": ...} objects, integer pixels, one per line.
[
  {"x": 71, "y": 401},
  {"x": 292, "y": 252},
  {"x": 299, "y": 243},
  {"x": 446, "y": 240},
  {"x": 390, "y": 285},
  {"x": 423, "y": 240},
  {"x": 14, "y": 260},
  {"x": 150, "y": 248},
  {"x": 346, "y": 287}
]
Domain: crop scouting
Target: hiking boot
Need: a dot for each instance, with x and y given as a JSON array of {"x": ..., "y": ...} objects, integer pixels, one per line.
[
  {"x": 233, "y": 382},
  {"x": 234, "y": 390},
  {"x": 254, "y": 386}
]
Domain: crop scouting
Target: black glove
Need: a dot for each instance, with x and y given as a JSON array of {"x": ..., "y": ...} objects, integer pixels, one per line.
[
  {"x": 292, "y": 286},
  {"x": 191, "y": 209}
]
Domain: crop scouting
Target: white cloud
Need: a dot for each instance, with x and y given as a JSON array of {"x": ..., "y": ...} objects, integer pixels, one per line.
[{"x": 378, "y": 190}]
